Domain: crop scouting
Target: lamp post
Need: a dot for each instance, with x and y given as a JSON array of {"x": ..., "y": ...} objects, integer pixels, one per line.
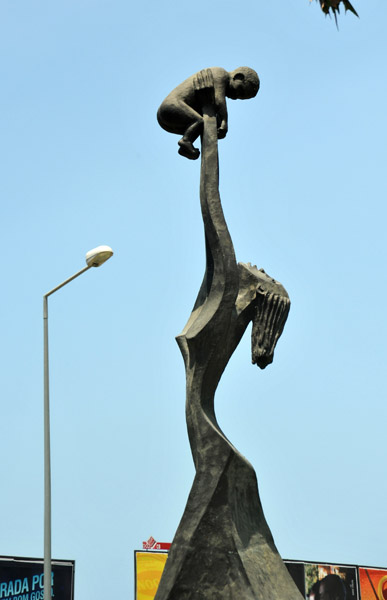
[{"x": 94, "y": 258}]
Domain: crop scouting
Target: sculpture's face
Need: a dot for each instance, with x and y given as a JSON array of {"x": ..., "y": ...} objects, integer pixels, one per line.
[
  {"x": 265, "y": 283},
  {"x": 271, "y": 309},
  {"x": 240, "y": 89},
  {"x": 232, "y": 89}
]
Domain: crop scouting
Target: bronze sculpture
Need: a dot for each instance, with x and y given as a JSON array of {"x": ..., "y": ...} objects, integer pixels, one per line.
[
  {"x": 223, "y": 547},
  {"x": 180, "y": 112}
]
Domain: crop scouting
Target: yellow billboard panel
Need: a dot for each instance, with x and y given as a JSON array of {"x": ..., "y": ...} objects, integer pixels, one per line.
[{"x": 149, "y": 568}]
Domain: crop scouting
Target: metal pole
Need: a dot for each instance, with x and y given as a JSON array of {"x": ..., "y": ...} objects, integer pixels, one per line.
[
  {"x": 47, "y": 450},
  {"x": 47, "y": 460}
]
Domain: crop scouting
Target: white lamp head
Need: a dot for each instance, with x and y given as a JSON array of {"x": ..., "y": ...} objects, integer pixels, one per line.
[{"x": 99, "y": 255}]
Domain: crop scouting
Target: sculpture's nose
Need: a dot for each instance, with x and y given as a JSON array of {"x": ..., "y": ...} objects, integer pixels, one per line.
[{"x": 263, "y": 361}]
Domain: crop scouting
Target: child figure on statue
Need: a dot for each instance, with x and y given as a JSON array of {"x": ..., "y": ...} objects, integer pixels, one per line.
[{"x": 181, "y": 111}]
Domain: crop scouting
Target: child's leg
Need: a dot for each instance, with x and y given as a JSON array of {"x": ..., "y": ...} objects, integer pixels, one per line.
[
  {"x": 178, "y": 117},
  {"x": 192, "y": 132}
]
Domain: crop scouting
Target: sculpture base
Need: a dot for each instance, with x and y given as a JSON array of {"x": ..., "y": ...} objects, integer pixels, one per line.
[{"x": 229, "y": 554}]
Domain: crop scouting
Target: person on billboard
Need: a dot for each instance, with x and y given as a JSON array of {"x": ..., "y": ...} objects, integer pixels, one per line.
[
  {"x": 332, "y": 587},
  {"x": 313, "y": 593}
]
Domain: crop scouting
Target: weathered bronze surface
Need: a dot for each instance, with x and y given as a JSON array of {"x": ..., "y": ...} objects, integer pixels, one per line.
[
  {"x": 223, "y": 548},
  {"x": 181, "y": 111}
]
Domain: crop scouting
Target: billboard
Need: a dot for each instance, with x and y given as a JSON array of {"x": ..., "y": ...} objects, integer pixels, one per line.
[
  {"x": 373, "y": 583},
  {"x": 331, "y": 581},
  {"x": 149, "y": 567},
  {"x": 316, "y": 581},
  {"x": 22, "y": 579}
]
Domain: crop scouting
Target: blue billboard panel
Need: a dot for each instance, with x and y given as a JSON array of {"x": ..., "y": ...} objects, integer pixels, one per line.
[{"x": 22, "y": 579}]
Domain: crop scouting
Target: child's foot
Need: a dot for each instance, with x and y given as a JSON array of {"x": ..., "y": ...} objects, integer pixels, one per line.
[{"x": 188, "y": 150}]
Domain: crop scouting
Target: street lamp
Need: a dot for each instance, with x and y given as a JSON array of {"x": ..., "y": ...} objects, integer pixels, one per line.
[{"x": 94, "y": 258}]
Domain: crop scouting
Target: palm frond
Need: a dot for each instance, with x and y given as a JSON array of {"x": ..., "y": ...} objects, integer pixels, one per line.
[{"x": 334, "y": 5}]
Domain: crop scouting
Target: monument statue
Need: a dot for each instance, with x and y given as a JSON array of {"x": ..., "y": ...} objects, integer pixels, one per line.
[{"x": 223, "y": 548}]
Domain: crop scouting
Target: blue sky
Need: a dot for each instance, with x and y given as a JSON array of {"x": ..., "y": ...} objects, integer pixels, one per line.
[{"x": 302, "y": 179}]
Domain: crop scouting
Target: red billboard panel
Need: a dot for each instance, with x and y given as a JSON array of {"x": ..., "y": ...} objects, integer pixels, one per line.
[{"x": 373, "y": 583}]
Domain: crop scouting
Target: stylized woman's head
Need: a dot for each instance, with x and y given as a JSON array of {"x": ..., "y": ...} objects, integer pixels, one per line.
[{"x": 270, "y": 306}]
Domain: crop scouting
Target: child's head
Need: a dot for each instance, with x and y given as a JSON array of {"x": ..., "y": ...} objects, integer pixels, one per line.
[{"x": 244, "y": 84}]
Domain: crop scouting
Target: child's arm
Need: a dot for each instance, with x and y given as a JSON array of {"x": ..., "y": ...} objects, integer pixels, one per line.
[
  {"x": 221, "y": 79},
  {"x": 213, "y": 83},
  {"x": 222, "y": 112}
]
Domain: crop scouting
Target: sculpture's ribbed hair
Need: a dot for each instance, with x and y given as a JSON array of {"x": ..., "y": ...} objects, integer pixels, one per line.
[{"x": 268, "y": 322}]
